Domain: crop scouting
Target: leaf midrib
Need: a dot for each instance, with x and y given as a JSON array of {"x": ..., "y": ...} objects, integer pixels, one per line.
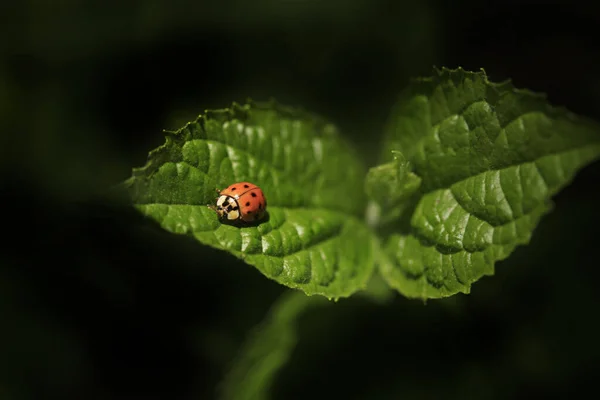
[
  {"x": 283, "y": 173},
  {"x": 506, "y": 166},
  {"x": 420, "y": 142},
  {"x": 328, "y": 210},
  {"x": 244, "y": 255}
]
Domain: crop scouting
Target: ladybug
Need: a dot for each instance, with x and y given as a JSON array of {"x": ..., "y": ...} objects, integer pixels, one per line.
[{"x": 242, "y": 201}]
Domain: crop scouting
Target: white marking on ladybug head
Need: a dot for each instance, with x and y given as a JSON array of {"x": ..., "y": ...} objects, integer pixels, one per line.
[
  {"x": 233, "y": 215},
  {"x": 232, "y": 203},
  {"x": 221, "y": 200}
]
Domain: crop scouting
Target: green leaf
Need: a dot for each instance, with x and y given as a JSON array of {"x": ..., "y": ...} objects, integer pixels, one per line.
[
  {"x": 267, "y": 350},
  {"x": 390, "y": 186},
  {"x": 489, "y": 157},
  {"x": 313, "y": 237}
]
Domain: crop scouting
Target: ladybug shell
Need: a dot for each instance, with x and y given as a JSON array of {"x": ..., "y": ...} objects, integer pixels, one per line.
[{"x": 250, "y": 198}]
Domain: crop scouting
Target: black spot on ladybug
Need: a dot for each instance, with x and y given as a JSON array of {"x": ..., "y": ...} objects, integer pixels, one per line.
[
  {"x": 259, "y": 205},
  {"x": 247, "y": 203},
  {"x": 246, "y": 186},
  {"x": 232, "y": 189},
  {"x": 253, "y": 194}
]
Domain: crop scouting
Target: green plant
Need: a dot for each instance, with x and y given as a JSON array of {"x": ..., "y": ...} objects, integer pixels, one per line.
[{"x": 467, "y": 169}]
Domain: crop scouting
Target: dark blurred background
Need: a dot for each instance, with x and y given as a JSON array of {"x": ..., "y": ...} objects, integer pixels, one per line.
[{"x": 97, "y": 303}]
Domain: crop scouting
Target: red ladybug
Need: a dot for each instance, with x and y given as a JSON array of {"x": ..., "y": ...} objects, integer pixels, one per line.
[{"x": 241, "y": 201}]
